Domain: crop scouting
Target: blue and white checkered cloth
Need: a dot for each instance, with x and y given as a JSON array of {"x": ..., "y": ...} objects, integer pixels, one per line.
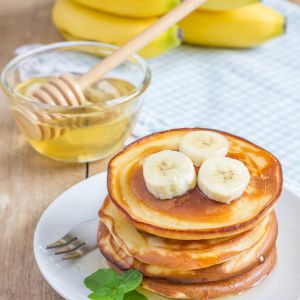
[{"x": 253, "y": 93}]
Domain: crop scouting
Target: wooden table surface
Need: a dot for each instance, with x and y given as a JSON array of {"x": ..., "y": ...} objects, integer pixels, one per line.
[{"x": 28, "y": 181}]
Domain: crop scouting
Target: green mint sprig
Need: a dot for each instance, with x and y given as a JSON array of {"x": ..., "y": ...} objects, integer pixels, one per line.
[{"x": 107, "y": 284}]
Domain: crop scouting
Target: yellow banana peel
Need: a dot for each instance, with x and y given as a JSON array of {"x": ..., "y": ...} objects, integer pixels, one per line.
[
  {"x": 226, "y": 4},
  {"x": 244, "y": 27},
  {"x": 154, "y": 8},
  {"x": 132, "y": 8}
]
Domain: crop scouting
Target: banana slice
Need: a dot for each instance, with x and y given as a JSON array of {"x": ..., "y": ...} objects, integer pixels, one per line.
[
  {"x": 201, "y": 145},
  {"x": 223, "y": 179},
  {"x": 169, "y": 174}
]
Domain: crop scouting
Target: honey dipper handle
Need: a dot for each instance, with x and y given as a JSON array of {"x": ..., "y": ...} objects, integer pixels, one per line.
[{"x": 138, "y": 42}]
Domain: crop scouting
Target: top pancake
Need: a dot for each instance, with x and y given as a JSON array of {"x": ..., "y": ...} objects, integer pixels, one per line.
[{"x": 193, "y": 215}]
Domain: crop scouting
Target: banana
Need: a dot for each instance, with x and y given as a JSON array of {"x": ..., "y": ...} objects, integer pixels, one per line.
[
  {"x": 223, "y": 179},
  {"x": 226, "y": 4},
  {"x": 201, "y": 145},
  {"x": 78, "y": 22},
  {"x": 132, "y": 8},
  {"x": 244, "y": 27},
  {"x": 168, "y": 174},
  {"x": 155, "y": 8}
]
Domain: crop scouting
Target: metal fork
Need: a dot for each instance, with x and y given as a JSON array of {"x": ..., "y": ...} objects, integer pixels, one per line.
[{"x": 77, "y": 242}]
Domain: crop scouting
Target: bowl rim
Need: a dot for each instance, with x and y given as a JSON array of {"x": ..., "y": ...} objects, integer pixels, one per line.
[{"x": 139, "y": 89}]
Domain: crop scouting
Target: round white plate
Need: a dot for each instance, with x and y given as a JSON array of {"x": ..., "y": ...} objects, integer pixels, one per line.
[{"x": 82, "y": 202}]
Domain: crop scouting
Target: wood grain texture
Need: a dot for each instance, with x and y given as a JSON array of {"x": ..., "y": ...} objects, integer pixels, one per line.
[
  {"x": 28, "y": 181},
  {"x": 98, "y": 166}
]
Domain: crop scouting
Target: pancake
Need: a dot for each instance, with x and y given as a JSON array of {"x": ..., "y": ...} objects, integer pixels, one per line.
[
  {"x": 232, "y": 268},
  {"x": 210, "y": 290},
  {"x": 176, "y": 254},
  {"x": 193, "y": 215}
]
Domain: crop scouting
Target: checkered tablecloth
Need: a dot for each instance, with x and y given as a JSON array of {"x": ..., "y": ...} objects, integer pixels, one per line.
[{"x": 253, "y": 93}]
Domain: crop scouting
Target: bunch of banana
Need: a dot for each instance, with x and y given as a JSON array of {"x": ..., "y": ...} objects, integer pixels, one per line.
[
  {"x": 77, "y": 22},
  {"x": 218, "y": 23}
]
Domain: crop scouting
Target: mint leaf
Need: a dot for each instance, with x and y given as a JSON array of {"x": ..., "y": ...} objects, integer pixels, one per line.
[
  {"x": 130, "y": 280},
  {"x": 117, "y": 294},
  {"x": 102, "y": 278},
  {"x": 134, "y": 295},
  {"x": 107, "y": 293},
  {"x": 102, "y": 293},
  {"x": 106, "y": 284}
]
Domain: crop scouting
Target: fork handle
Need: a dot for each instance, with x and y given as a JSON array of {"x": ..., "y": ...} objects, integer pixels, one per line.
[{"x": 88, "y": 229}]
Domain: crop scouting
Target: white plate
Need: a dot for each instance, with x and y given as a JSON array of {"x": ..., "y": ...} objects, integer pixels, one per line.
[{"x": 82, "y": 201}]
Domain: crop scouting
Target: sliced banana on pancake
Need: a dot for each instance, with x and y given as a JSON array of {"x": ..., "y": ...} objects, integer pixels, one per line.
[
  {"x": 223, "y": 179},
  {"x": 201, "y": 145},
  {"x": 168, "y": 174}
]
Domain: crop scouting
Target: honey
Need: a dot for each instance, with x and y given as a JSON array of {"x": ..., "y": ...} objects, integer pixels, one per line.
[{"x": 85, "y": 133}]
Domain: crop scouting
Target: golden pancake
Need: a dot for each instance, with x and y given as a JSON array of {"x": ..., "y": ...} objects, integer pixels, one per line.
[
  {"x": 176, "y": 254},
  {"x": 210, "y": 290},
  {"x": 193, "y": 216},
  {"x": 232, "y": 268}
]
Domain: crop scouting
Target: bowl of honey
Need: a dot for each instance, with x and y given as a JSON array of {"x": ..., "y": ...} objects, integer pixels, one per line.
[{"x": 93, "y": 131}]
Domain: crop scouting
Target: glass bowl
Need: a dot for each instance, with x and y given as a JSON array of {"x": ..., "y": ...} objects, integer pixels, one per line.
[{"x": 85, "y": 133}]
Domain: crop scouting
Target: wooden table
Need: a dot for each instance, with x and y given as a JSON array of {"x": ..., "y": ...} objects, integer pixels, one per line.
[{"x": 28, "y": 181}]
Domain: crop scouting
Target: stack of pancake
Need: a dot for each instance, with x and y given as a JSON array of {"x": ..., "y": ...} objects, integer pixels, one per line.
[{"x": 191, "y": 247}]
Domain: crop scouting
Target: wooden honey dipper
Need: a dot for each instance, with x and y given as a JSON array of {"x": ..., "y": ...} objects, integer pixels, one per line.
[{"x": 67, "y": 91}]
